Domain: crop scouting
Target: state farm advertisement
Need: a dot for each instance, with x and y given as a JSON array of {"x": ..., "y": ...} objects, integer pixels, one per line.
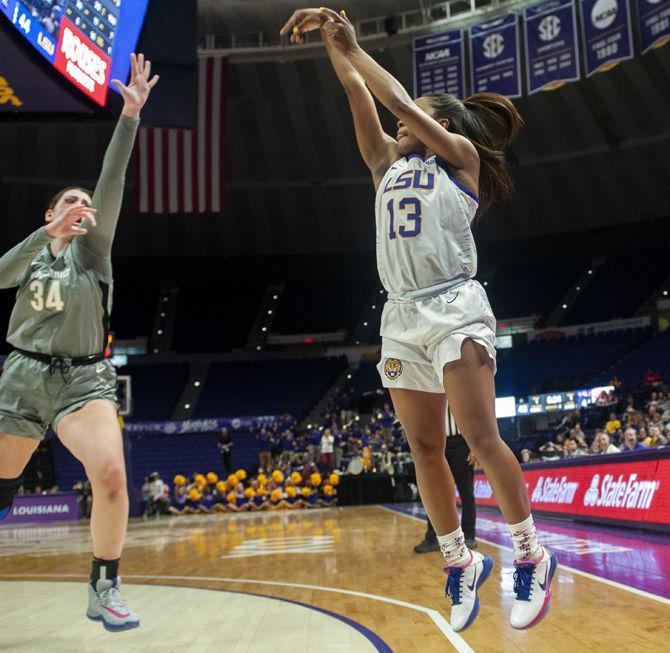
[
  {"x": 84, "y": 64},
  {"x": 602, "y": 488}
]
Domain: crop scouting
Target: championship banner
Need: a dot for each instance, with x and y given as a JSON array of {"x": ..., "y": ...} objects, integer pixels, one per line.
[
  {"x": 625, "y": 488},
  {"x": 551, "y": 45},
  {"x": 654, "y": 18},
  {"x": 495, "y": 63},
  {"x": 208, "y": 425},
  {"x": 606, "y": 34},
  {"x": 439, "y": 64}
]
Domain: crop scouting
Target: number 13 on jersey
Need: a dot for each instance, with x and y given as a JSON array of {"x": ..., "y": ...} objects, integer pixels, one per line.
[{"x": 411, "y": 207}]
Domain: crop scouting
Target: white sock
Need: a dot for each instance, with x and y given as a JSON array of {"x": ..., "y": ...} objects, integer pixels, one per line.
[
  {"x": 453, "y": 548},
  {"x": 524, "y": 538}
]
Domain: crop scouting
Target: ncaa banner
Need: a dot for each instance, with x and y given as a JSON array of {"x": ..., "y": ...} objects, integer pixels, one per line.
[
  {"x": 551, "y": 45},
  {"x": 494, "y": 56},
  {"x": 439, "y": 64},
  {"x": 654, "y": 23},
  {"x": 606, "y": 34}
]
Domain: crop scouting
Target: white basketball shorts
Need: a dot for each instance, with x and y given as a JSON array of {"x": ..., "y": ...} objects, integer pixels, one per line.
[{"x": 420, "y": 336}]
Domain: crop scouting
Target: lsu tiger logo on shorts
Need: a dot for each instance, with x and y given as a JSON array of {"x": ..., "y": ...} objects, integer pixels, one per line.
[{"x": 392, "y": 368}]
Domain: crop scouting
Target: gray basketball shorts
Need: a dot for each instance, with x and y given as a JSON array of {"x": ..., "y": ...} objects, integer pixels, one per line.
[{"x": 32, "y": 398}]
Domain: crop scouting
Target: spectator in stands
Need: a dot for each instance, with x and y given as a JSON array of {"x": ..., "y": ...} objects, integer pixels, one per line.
[
  {"x": 655, "y": 438},
  {"x": 225, "y": 445},
  {"x": 276, "y": 447},
  {"x": 265, "y": 457},
  {"x": 551, "y": 450},
  {"x": 144, "y": 501},
  {"x": 327, "y": 448},
  {"x": 652, "y": 379},
  {"x": 526, "y": 456},
  {"x": 314, "y": 444},
  {"x": 630, "y": 442},
  {"x": 573, "y": 448},
  {"x": 602, "y": 443},
  {"x": 85, "y": 500},
  {"x": 613, "y": 425},
  {"x": 158, "y": 499},
  {"x": 338, "y": 451}
]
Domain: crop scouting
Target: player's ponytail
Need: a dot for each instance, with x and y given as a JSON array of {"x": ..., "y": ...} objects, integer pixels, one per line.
[{"x": 490, "y": 122}]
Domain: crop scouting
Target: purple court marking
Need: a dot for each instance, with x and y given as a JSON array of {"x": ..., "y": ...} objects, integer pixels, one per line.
[{"x": 638, "y": 560}]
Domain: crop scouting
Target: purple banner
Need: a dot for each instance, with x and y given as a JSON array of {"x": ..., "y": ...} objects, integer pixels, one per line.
[
  {"x": 654, "y": 23},
  {"x": 32, "y": 508},
  {"x": 205, "y": 425}
]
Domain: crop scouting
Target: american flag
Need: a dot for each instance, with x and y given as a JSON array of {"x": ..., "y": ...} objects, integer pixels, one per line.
[{"x": 181, "y": 170}]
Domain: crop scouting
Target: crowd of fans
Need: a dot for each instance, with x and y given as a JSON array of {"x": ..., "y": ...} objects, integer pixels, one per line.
[{"x": 640, "y": 424}]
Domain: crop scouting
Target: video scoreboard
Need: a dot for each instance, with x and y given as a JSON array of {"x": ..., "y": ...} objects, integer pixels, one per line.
[{"x": 88, "y": 42}]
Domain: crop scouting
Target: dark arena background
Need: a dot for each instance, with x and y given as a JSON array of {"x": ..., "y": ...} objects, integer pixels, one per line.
[{"x": 246, "y": 318}]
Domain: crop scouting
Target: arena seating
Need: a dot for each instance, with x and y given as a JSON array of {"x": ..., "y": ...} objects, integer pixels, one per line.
[
  {"x": 268, "y": 387},
  {"x": 563, "y": 363},
  {"x": 156, "y": 388}
]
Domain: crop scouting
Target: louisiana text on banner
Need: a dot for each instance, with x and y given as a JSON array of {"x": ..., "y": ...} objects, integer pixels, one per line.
[
  {"x": 439, "y": 64},
  {"x": 180, "y": 170},
  {"x": 551, "y": 44},
  {"x": 494, "y": 56},
  {"x": 654, "y": 20},
  {"x": 606, "y": 34}
]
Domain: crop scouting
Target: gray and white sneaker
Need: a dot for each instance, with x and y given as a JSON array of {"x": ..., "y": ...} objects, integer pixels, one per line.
[{"x": 107, "y": 604}]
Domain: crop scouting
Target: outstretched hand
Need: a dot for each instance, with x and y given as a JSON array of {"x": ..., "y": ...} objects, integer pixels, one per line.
[
  {"x": 71, "y": 221},
  {"x": 337, "y": 28},
  {"x": 136, "y": 93}
]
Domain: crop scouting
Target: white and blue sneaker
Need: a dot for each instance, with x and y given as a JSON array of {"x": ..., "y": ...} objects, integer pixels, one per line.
[
  {"x": 462, "y": 586},
  {"x": 107, "y": 604},
  {"x": 532, "y": 589}
]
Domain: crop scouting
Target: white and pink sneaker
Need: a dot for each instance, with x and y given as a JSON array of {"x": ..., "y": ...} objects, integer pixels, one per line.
[
  {"x": 107, "y": 604},
  {"x": 462, "y": 586},
  {"x": 532, "y": 590}
]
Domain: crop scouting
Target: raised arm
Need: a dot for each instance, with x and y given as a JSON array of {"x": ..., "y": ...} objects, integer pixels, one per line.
[
  {"x": 378, "y": 149},
  {"x": 108, "y": 194},
  {"x": 14, "y": 264},
  {"x": 457, "y": 150}
]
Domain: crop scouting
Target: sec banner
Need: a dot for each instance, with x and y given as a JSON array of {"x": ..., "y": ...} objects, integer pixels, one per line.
[
  {"x": 439, "y": 64},
  {"x": 654, "y": 22},
  {"x": 617, "y": 488},
  {"x": 551, "y": 45},
  {"x": 495, "y": 58},
  {"x": 606, "y": 34}
]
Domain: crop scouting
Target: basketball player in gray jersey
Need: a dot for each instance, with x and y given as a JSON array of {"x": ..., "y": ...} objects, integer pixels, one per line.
[{"x": 57, "y": 374}]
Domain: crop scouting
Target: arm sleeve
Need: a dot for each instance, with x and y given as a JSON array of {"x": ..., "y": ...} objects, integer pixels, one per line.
[
  {"x": 14, "y": 263},
  {"x": 108, "y": 193}
]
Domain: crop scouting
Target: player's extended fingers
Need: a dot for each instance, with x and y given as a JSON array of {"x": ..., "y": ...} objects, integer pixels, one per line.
[
  {"x": 133, "y": 65},
  {"x": 332, "y": 15},
  {"x": 122, "y": 87},
  {"x": 147, "y": 69},
  {"x": 153, "y": 81},
  {"x": 295, "y": 18}
]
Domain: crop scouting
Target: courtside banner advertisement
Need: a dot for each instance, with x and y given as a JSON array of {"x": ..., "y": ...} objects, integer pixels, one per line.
[
  {"x": 618, "y": 488},
  {"x": 606, "y": 34},
  {"x": 439, "y": 64},
  {"x": 551, "y": 45},
  {"x": 654, "y": 19},
  {"x": 495, "y": 59}
]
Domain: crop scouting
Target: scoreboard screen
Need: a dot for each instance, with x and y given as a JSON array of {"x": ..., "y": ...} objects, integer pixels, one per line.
[
  {"x": 554, "y": 402},
  {"x": 88, "y": 41}
]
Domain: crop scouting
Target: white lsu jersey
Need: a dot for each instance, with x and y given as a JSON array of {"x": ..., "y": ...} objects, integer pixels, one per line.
[{"x": 423, "y": 219}]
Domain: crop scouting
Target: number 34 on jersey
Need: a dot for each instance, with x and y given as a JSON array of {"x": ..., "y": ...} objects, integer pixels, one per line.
[{"x": 51, "y": 301}]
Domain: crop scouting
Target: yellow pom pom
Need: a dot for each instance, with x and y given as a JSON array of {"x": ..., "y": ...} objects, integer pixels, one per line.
[
  {"x": 212, "y": 478},
  {"x": 262, "y": 480},
  {"x": 193, "y": 494},
  {"x": 200, "y": 479},
  {"x": 296, "y": 478},
  {"x": 221, "y": 487},
  {"x": 278, "y": 476},
  {"x": 231, "y": 498},
  {"x": 232, "y": 480},
  {"x": 291, "y": 491},
  {"x": 328, "y": 490},
  {"x": 306, "y": 492},
  {"x": 334, "y": 479},
  {"x": 241, "y": 474},
  {"x": 276, "y": 495},
  {"x": 250, "y": 493},
  {"x": 179, "y": 479},
  {"x": 315, "y": 479},
  {"x": 261, "y": 492}
]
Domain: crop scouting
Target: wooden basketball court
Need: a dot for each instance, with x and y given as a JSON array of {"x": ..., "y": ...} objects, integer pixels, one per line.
[{"x": 339, "y": 579}]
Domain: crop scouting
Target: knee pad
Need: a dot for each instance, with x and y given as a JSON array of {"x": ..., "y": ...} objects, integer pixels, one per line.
[{"x": 8, "y": 489}]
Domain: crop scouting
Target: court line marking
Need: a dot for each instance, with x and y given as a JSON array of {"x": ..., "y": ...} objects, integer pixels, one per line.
[
  {"x": 442, "y": 624},
  {"x": 579, "y": 572}
]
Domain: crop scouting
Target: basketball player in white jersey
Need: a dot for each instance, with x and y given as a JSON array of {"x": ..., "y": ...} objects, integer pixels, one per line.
[{"x": 444, "y": 167}]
